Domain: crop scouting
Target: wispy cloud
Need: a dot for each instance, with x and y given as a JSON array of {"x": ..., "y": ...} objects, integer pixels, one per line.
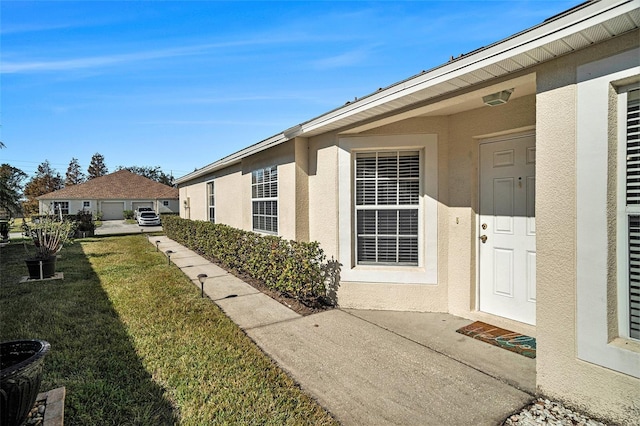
[
  {"x": 206, "y": 123},
  {"x": 35, "y": 66},
  {"x": 345, "y": 59}
]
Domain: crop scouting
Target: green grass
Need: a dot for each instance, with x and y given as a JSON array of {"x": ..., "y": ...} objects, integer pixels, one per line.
[
  {"x": 134, "y": 344},
  {"x": 16, "y": 226}
]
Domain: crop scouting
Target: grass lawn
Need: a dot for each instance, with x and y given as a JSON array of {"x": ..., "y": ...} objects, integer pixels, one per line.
[
  {"x": 17, "y": 224},
  {"x": 134, "y": 344}
]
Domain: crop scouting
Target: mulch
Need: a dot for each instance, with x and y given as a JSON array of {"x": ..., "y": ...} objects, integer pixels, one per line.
[{"x": 303, "y": 308}]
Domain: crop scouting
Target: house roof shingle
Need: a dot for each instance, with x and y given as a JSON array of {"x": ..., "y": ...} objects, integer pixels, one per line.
[{"x": 121, "y": 185}]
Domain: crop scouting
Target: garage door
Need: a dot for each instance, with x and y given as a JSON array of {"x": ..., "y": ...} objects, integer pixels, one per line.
[
  {"x": 112, "y": 210},
  {"x": 137, "y": 204}
]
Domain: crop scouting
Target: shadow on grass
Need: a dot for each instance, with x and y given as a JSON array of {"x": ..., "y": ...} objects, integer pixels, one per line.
[{"x": 91, "y": 354}]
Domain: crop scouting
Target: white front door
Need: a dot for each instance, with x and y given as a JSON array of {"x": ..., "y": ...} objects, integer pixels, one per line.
[{"x": 507, "y": 228}]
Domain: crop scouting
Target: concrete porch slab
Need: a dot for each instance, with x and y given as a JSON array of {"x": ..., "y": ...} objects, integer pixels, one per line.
[
  {"x": 437, "y": 331},
  {"x": 366, "y": 375}
]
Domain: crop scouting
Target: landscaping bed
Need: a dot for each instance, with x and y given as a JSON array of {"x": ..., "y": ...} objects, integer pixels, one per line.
[
  {"x": 295, "y": 273},
  {"x": 286, "y": 300}
]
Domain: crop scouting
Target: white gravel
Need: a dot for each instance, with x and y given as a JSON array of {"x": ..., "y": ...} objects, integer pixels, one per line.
[{"x": 545, "y": 412}]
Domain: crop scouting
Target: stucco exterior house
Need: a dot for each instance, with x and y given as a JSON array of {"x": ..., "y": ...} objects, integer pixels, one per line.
[
  {"x": 523, "y": 214},
  {"x": 111, "y": 195}
]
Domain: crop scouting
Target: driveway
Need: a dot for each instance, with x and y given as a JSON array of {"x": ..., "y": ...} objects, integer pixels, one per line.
[{"x": 116, "y": 227}]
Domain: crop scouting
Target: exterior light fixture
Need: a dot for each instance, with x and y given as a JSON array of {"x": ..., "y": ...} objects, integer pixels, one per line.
[
  {"x": 498, "y": 98},
  {"x": 169, "y": 253},
  {"x": 202, "y": 278},
  {"x": 157, "y": 245}
]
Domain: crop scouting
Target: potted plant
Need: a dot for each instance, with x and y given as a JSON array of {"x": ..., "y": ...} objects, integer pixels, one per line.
[
  {"x": 21, "y": 363},
  {"x": 4, "y": 230},
  {"x": 85, "y": 226},
  {"x": 48, "y": 236}
]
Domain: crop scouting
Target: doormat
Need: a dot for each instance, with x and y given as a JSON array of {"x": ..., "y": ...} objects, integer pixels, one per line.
[{"x": 505, "y": 339}]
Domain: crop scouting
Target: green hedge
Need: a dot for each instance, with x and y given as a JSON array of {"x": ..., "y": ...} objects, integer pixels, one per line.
[{"x": 295, "y": 268}]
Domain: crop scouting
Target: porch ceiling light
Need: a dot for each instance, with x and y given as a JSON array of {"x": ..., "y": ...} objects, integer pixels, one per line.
[{"x": 498, "y": 98}]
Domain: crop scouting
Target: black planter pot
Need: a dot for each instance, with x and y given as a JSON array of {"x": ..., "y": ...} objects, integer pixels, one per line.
[
  {"x": 37, "y": 272},
  {"x": 21, "y": 363},
  {"x": 4, "y": 230}
]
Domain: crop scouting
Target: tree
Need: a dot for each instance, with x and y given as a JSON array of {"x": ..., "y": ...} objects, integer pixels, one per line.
[
  {"x": 74, "y": 174},
  {"x": 153, "y": 173},
  {"x": 97, "y": 167},
  {"x": 45, "y": 180},
  {"x": 11, "y": 188}
]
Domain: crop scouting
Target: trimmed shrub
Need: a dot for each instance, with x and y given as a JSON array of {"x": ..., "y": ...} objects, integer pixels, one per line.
[
  {"x": 128, "y": 214},
  {"x": 297, "y": 269}
]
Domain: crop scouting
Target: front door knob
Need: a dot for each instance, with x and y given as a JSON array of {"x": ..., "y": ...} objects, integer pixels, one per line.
[{"x": 483, "y": 238}]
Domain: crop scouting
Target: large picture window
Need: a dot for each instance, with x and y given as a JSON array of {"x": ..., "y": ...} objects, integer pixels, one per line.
[
  {"x": 387, "y": 198},
  {"x": 211, "y": 202},
  {"x": 264, "y": 199}
]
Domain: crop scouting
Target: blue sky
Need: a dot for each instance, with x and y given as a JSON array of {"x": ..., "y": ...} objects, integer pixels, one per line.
[{"x": 182, "y": 84}]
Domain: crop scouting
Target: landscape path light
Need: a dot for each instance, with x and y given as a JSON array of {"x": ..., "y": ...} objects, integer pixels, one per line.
[
  {"x": 169, "y": 253},
  {"x": 157, "y": 245},
  {"x": 202, "y": 278}
]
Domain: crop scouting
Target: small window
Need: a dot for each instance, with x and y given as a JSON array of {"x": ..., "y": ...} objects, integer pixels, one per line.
[
  {"x": 211, "y": 197},
  {"x": 264, "y": 199},
  {"x": 165, "y": 203},
  {"x": 61, "y": 207},
  {"x": 86, "y": 205}
]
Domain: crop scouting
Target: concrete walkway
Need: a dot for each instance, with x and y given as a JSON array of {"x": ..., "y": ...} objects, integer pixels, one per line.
[
  {"x": 374, "y": 367},
  {"x": 119, "y": 227}
]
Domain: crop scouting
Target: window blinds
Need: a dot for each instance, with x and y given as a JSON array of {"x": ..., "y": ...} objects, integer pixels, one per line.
[
  {"x": 633, "y": 199},
  {"x": 387, "y": 199}
]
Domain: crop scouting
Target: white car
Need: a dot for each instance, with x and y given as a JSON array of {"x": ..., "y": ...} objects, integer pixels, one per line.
[
  {"x": 148, "y": 218},
  {"x": 139, "y": 210}
]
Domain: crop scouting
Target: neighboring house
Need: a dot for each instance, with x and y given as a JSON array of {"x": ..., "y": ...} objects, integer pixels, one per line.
[
  {"x": 525, "y": 214},
  {"x": 111, "y": 195}
]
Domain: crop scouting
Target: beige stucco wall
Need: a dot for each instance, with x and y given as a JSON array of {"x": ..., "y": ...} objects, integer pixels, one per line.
[
  {"x": 457, "y": 200},
  {"x": 227, "y": 197},
  {"x": 233, "y": 191},
  {"x": 561, "y": 374}
]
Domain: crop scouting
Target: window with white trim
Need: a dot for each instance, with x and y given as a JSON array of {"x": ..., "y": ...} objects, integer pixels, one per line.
[
  {"x": 387, "y": 198},
  {"x": 602, "y": 337},
  {"x": 61, "y": 207},
  {"x": 86, "y": 205},
  {"x": 630, "y": 137},
  {"x": 165, "y": 203},
  {"x": 264, "y": 199},
  {"x": 211, "y": 201}
]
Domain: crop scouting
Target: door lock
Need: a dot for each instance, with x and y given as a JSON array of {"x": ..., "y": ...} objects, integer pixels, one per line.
[{"x": 483, "y": 238}]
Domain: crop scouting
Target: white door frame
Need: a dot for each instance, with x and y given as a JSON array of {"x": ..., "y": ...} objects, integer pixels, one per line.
[{"x": 517, "y": 134}]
